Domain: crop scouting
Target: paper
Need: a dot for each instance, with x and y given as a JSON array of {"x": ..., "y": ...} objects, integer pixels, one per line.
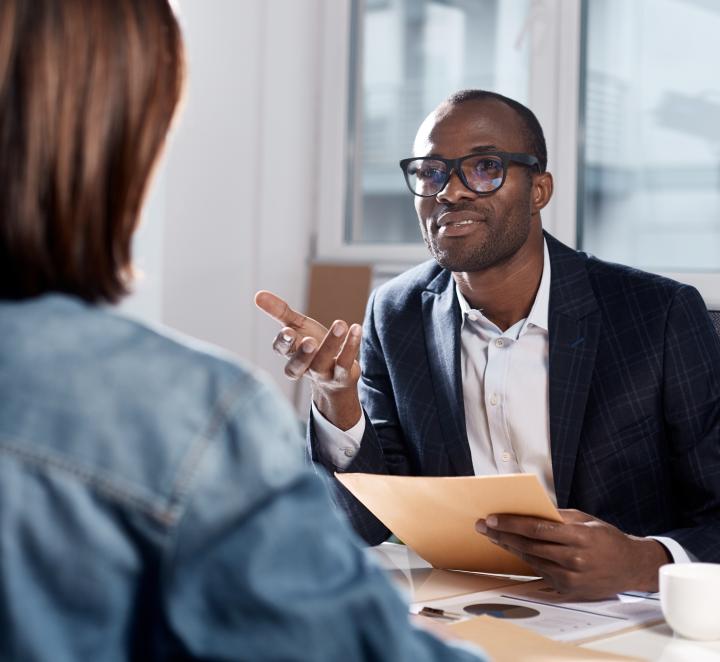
[
  {"x": 537, "y": 607},
  {"x": 505, "y": 642},
  {"x": 436, "y": 516},
  {"x": 624, "y": 612}
]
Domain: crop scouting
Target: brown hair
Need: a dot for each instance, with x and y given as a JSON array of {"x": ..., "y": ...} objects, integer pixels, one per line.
[{"x": 88, "y": 89}]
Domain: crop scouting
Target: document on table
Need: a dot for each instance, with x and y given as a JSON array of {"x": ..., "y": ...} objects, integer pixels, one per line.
[
  {"x": 436, "y": 515},
  {"x": 537, "y": 607},
  {"x": 505, "y": 642}
]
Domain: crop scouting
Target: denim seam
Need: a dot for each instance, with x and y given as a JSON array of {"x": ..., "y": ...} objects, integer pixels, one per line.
[
  {"x": 220, "y": 416},
  {"x": 106, "y": 485},
  {"x": 182, "y": 488}
]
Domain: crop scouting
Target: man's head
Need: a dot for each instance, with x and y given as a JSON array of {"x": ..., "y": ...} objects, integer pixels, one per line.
[
  {"x": 471, "y": 229},
  {"x": 88, "y": 89}
]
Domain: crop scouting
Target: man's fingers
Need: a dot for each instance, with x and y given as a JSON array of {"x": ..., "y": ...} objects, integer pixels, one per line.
[
  {"x": 560, "y": 555},
  {"x": 299, "y": 362},
  {"x": 573, "y": 515},
  {"x": 567, "y": 578},
  {"x": 277, "y": 308},
  {"x": 350, "y": 349},
  {"x": 324, "y": 360},
  {"x": 284, "y": 342},
  {"x": 550, "y": 571},
  {"x": 541, "y": 557},
  {"x": 308, "y": 345},
  {"x": 533, "y": 528}
]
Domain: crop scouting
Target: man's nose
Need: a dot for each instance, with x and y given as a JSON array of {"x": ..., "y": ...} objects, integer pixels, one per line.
[{"x": 454, "y": 190}]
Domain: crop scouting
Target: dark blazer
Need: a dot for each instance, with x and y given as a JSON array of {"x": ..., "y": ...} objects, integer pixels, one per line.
[{"x": 634, "y": 391}]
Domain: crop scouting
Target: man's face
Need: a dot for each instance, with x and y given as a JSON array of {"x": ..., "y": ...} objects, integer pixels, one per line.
[{"x": 465, "y": 231}]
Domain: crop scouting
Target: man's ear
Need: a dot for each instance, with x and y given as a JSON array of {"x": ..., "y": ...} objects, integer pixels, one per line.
[{"x": 542, "y": 190}]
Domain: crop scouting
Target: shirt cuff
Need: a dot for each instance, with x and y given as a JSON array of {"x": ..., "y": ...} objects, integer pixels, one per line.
[
  {"x": 335, "y": 446},
  {"x": 677, "y": 551}
]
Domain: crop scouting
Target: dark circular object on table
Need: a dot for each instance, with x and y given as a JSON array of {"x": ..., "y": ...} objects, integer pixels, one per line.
[{"x": 501, "y": 610}]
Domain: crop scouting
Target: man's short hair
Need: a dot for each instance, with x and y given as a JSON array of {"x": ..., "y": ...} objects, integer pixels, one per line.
[
  {"x": 533, "y": 132},
  {"x": 82, "y": 121}
]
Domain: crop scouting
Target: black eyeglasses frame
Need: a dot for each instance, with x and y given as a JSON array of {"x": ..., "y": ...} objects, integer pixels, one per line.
[{"x": 456, "y": 165}]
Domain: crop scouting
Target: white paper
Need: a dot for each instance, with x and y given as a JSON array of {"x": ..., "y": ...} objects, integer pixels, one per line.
[{"x": 557, "y": 619}]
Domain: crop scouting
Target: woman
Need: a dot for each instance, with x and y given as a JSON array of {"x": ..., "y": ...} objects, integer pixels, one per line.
[{"x": 153, "y": 498}]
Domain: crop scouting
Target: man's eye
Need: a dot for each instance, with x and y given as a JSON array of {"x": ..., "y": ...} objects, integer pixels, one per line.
[
  {"x": 429, "y": 173},
  {"x": 489, "y": 164},
  {"x": 491, "y": 168}
]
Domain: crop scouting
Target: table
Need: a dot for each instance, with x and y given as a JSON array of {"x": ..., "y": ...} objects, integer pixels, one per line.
[{"x": 656, "y": 642}]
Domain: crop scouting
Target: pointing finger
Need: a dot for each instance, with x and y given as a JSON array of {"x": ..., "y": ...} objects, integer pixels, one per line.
[{"x": 279, "y": 310}]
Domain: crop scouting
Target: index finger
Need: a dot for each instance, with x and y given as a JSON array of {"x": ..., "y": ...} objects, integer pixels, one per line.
[{"x": 277, "y": 308}]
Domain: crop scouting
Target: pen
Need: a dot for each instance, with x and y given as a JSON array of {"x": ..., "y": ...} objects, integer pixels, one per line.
[{"x": 432, "y": 612}]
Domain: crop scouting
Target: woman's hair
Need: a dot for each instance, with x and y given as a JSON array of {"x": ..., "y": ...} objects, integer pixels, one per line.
[{"x": 88, "y": 89}]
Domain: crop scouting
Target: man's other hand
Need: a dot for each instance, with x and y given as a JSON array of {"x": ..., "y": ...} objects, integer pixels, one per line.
[
  {"x": 581, "y": 557},
  {"x": 328, "y": 357}
]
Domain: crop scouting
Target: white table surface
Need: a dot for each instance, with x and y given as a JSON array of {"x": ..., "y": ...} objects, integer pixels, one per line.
[{"x": 657, "y": 643}]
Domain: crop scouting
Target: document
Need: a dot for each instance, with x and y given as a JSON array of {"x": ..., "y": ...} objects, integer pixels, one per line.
[
  {"x": 436, "y": 516},
  {"x": 505, "y": 642},
  {"x": 536, "y": 606}
]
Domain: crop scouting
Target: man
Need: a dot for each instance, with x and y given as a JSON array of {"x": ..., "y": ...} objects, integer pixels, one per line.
[{"x": 511, "y": 352}]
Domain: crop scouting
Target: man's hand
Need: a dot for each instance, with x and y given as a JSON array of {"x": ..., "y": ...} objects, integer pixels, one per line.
[
  {"x": 327, "y": 357},
  {"x": 582, "y": 557}
]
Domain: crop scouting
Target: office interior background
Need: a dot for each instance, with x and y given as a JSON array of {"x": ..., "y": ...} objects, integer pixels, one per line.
[{"x": 297, "y": 111}]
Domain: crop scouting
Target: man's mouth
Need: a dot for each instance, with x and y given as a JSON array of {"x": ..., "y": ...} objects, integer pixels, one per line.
[
  {"x": 458, "y": 219},
  {"x": 465, "y": 221}
]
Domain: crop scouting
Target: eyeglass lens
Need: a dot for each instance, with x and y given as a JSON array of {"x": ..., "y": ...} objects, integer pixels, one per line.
[{"x": 482, "y": 173}]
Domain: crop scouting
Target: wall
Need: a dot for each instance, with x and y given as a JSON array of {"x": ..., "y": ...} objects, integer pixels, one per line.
[{"x": 221, "y": 223}]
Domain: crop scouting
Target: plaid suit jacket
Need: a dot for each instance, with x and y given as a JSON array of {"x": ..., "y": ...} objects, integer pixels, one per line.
[{"x": 634, "y": 392}]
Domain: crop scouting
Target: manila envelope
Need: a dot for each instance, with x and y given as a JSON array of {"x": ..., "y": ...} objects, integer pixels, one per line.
[
  {"x": 436, "y": 516},
  {"x": 507, "y": 642}
]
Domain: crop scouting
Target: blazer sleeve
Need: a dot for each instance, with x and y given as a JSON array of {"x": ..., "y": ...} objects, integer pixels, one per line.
[
  {"x": 691, "y": 394},
  {"x": 383, "y": 447}
]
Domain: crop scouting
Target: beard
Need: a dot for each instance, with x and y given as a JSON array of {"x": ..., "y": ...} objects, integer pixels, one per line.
[{"x": 493, "y": 242}]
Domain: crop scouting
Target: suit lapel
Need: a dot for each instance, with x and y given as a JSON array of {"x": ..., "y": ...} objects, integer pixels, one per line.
[
  {"x": 441, "y": 319},
  {"x": 574, "y": 332}
]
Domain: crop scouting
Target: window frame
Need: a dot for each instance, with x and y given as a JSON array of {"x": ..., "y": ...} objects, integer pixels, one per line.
[{"x": 555, "y": 89}]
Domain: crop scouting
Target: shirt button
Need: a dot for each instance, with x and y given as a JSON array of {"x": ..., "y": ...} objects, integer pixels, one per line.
[
  {"x": 499, "y": 342},
  {"x": 349, "y": 452},
  {"x": 472, "y": 317},
  {"x": 505, "y": 456},
  {"x": 493, "y": 400}
]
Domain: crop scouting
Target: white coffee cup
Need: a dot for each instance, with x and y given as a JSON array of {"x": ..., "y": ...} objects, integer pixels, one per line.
[{"x": 690, "y": 599}]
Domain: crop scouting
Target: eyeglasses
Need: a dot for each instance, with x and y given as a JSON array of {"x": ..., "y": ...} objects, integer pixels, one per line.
[{"x": 481, "y": 173}]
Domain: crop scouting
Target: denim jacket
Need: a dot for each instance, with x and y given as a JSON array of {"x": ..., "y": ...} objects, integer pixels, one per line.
[{"x": 155, "y": 504}]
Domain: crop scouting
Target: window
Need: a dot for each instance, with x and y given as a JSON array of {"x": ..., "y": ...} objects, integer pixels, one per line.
[
  {"x": 650, "y": 170},
  {"x": 625, "y": 91},
  {"x": 414, "y": 54}
]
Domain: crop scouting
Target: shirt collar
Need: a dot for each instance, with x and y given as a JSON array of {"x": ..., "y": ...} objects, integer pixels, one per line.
[{"x": 539, "y": 311}]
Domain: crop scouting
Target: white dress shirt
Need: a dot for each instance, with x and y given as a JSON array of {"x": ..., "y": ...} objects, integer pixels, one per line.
[
  {"x": 505, "y": 390},
  {"x": 505, "y": 393}
]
